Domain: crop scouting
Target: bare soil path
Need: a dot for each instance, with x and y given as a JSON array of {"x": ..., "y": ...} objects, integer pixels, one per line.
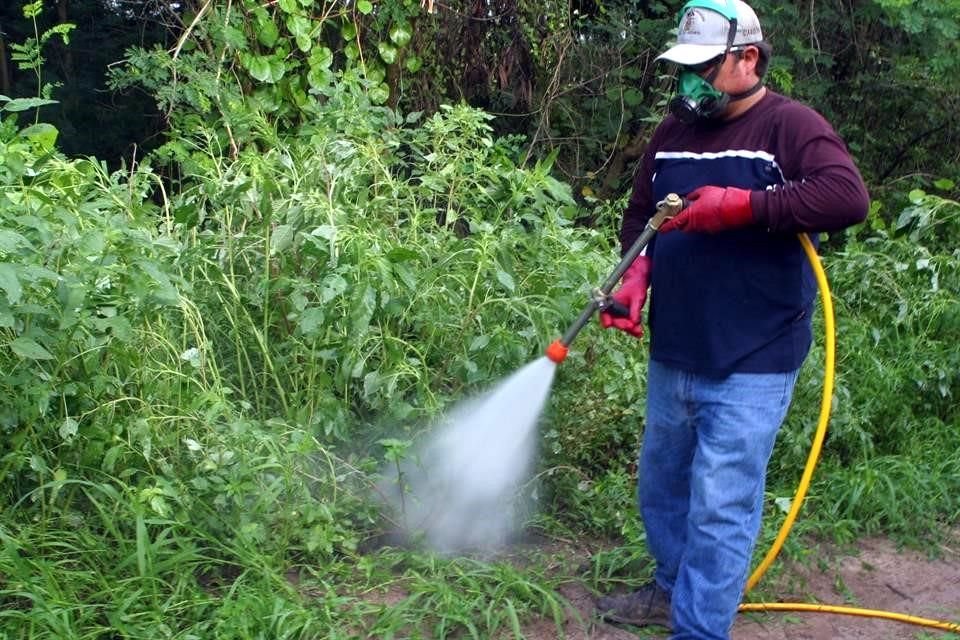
[{"x": 877, "y": 575}]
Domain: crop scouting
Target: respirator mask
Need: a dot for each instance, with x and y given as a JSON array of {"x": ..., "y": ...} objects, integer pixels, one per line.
[{"x": 697, "y": 98}]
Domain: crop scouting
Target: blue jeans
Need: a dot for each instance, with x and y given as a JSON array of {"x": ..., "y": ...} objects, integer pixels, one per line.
[{"x": 702, "y": 471}]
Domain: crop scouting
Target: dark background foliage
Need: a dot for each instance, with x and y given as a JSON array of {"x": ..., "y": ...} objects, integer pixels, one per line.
[
  {"x": 577, "y": 78},
  {"x": 92, "y": 120}
]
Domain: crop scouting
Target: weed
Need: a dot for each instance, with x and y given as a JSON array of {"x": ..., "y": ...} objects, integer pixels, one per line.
[{"x": 200, "y": 373}]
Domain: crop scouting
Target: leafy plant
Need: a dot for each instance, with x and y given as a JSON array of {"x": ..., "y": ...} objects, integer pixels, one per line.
[{"x": 29, "y": 54}]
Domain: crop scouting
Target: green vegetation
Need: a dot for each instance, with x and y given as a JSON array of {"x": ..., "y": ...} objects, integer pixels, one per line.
[{"x": 209, "y": 354}]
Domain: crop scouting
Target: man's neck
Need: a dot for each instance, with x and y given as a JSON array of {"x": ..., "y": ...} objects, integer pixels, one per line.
[{"x": 739, "y": 107}]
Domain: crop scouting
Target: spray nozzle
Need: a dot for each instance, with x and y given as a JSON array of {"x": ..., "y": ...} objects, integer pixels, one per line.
[{"x": 557, "y": 351}]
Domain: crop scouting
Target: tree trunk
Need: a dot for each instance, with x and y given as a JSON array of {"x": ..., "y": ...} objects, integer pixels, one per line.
[
  {"x": 4, "y": 69},
  {"x": 67, "y": 53}
]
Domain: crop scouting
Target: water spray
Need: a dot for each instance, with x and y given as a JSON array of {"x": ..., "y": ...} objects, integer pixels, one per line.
[
  {"x": 460, "y": 484},
  {"x": 600, "y": 298}
]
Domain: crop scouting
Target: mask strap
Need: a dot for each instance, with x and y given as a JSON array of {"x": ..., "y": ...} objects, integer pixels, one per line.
[
  {"x": 731, "y": 36},
  {"x": 749, "y": 92}
]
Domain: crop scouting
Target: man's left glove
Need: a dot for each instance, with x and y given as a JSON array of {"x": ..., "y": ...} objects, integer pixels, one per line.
[
  {"x": 713, "y": 209},
  {"x": 632, "y": 294}
]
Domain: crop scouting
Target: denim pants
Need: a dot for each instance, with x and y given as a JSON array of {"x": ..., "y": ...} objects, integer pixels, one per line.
[{"x": 702, "y": 470}]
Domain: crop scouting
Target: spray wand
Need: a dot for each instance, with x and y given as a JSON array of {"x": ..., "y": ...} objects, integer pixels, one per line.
[{"x": 600, "y": 298}]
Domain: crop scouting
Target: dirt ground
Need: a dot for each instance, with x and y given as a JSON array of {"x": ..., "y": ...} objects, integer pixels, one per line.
[{"x": 876, "y": 576}]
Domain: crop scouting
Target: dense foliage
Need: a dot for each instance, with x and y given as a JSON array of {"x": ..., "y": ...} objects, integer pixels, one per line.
[
  {"x": 576, "y": 77},
  {"x": 208, "y": 354}
]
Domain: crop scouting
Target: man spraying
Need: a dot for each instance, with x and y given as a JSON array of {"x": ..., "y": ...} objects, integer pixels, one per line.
[{"x": 731, "y": 296}]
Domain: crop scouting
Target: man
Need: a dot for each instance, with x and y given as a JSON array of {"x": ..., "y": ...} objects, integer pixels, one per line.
[{"x": 731, "y": 296}]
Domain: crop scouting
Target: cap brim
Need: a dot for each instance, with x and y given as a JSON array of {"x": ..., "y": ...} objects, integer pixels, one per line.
[{"x": 687, "y": 54}]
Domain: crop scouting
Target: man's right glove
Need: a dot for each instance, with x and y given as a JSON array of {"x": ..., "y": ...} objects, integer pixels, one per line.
[
  {"x": 631, "y": 294},
  {"x": 713, "y": 209}
]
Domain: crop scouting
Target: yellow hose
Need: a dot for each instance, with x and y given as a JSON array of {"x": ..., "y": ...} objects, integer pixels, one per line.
[
  {"x": 825, "y": 404},
  {"x": 812, "y": 459},
  {"x": 850, "y": 611}
]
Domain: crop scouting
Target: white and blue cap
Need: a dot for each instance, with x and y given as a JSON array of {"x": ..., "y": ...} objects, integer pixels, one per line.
[{"x": 704, "y": 30}]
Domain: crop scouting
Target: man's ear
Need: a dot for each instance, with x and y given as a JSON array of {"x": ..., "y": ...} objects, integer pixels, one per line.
[{"x": 752, "y": 56}]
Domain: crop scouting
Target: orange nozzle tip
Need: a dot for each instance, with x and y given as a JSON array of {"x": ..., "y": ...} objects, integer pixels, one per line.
[{"x": 557, "y": 351}]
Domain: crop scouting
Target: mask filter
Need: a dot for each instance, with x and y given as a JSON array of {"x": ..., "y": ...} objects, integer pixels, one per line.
[{"x": 697, "y": 99}]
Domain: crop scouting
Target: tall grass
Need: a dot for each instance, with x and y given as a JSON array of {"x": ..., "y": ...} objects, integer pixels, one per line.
[
  {"x": 196, "y": 375},
  {"x": 199, "y": 373}
]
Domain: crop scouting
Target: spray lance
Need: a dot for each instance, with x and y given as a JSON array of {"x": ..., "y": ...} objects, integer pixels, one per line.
[{"x": 600, "y": 297}]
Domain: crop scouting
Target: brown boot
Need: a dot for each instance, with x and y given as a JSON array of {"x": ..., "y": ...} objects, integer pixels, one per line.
[{"x": 649, "y": 605}]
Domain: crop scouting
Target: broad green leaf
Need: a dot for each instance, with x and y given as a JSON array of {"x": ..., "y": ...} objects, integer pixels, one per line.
[
  {"x": 304, "y": 43},
  {"x": 331, "y": 287},
  {"x": 35, "y": 273},
  {"x": 632, "y": 97},
  {"x": 402, "y": 254},
  {"x": 277, "y": 69},
  {"x": 351, "y": 51},
  {"x": 69, "y": 428},
  {"x": 362, "y": 313},
  {"x": 10, "y": 283},
  {"x": 22, "y": 104},
  {"x": 259, "y": 67},
  {"x": 479, "y": 342},
  {"x": 281, "y": 239},
  {"x": 118, "y": 326},
  {"x": 42, "y": 134},
  {"x": 320, "y": 58},
  {"x": 269, "y": 69},
  {"x": 379, "y": 93},
  {"x": 413, "y": 63},
  {"x": 311, "y": 321},
  {"x": 365, "y": 7},
  {"x": 320, "y": 79},
  {"x": 10, "y": 241},
  {"x": 187, "y": 215},
  {"x": 375, "y": 72},
  {"x": 299, "y": 25},
  {"x": 165, "y": 291},
  {"x": 400, "y": 34},
  {"x": 27, "y": 348},
  {"x": 506, "y": 280},
  {"x": 191, "y": 355},
  {"x": 406, "y": 275},
  {"x": 388, "y": 52},
  {"x": 371, "y": 383},
  {"x": 267, "y": 31}
]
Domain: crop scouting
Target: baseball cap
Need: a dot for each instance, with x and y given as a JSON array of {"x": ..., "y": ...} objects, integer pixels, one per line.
[{"x": 703, "y": 31}]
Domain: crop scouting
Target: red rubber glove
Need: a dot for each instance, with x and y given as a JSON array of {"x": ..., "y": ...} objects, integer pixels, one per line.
[
  {"x": 632, "y": 294},
  {"x": 713, "y": 209}
]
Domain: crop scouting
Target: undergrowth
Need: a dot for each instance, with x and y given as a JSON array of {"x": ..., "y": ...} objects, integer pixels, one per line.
[{"x": 203, "y": 355}]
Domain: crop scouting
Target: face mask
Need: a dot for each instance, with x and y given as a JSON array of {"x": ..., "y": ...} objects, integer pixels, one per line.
[{"x": 697, "y": 99}]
